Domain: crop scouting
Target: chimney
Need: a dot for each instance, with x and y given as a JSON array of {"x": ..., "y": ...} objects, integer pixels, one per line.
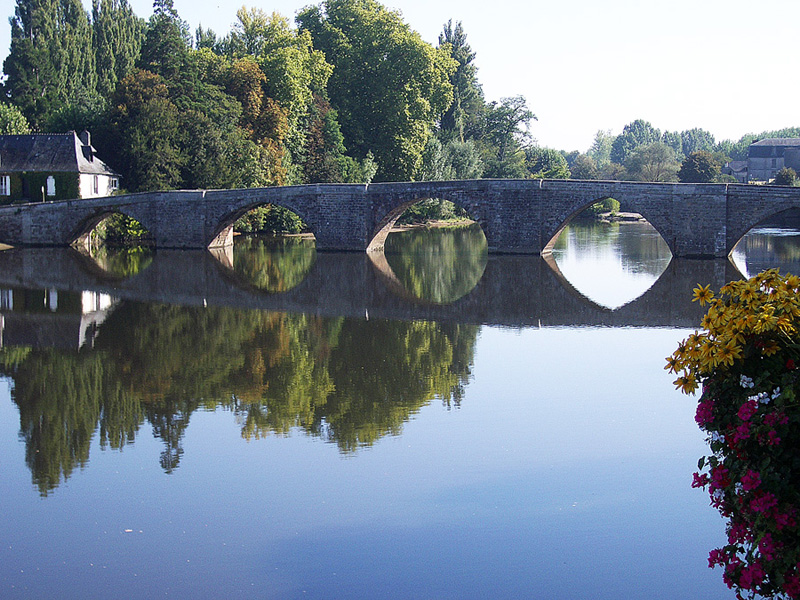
[{"x": 85, "y": 138}]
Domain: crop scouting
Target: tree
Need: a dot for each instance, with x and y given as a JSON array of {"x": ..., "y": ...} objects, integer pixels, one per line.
[
  {"x": 116, "y": 41},
  {"x": 12, "y": 121},
  {"x": 601, "y": 148},
  {"x": 546, "y": 163},
  {"x": 584, "y": 167},
  {"x": 165, "y": 50},
  {"x": 464, "y": 113},
  {"x": 51, "y": 56},
  {"x": 388, "y": 85},
  {"x": 699, "y": 167},
  {"x": 695, "y": 140},
  {"x": 147, "y": 125},
  {"x": 635, "y": 134},
  {"x": 505, "y": 137},
  {"x": 652, "y": 162},
  {"x": 786, "y": 176}
]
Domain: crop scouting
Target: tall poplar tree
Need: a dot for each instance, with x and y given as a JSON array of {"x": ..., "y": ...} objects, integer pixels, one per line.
[
  {"x": 117, "y": 41},
  {"x": 51, "y": 60},
  {"x": 463, "y": 116}
]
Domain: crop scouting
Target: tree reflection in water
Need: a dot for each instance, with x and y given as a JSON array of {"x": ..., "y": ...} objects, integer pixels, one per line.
[
  {"x": 273, "y": 264},
  {"x": 438, "y": 266},
  {"x": 347, "y": 381}
]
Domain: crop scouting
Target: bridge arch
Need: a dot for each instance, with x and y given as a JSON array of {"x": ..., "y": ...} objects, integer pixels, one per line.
[
  {"x": 575, "y": 205},
  {"x": 221, "y": 232},
  {"x": 81, "y": 235},
  {"x": 389, "y": 209},
  {"x": 759, "y": 215}
]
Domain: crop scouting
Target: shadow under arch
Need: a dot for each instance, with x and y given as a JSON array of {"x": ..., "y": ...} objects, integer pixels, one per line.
[
  {"x": 81, "y": 237},
  {"x": 387, "y": 222},
  {"x": 222, "y": 234}
]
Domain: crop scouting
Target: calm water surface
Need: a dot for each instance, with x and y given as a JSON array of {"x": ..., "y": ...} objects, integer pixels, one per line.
[{"x": 161, "y": 439}]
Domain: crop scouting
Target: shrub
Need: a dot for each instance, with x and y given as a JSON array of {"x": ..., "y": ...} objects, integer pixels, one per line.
[{"x": 746, "y": 362}]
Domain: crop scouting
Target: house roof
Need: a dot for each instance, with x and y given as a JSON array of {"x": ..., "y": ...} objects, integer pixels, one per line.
[
  {"x": 777, "y": 142},
  {"x": 50, "y": 153}
]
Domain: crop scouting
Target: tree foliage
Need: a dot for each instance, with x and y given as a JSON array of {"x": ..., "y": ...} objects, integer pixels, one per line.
[
  {"x": 375, "y": 55},
  {"x": 699, "y": 167}
]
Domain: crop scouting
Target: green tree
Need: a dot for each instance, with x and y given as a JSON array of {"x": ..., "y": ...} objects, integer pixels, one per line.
[
  {"x": 546, "y": 163},
  {"x": 50, "y": 59},
  {"x": 652, "y": 162},
  {"x": 463, "y": 116},
  {"x": 388, "y": 85},
  {"x": 601, "y": 148},
  {"x": 12, "y": 121},
  {"x": 116, "y": 40},
  {"x": 165, "y": 49},
  {"x": 635, "y": 134},
  {"x": 584, "y": 167},
  {"x": 695, "y": 140},
  {"x": 786, "y": 176},
  {"x": 506, "y": 135},
  {"x": 699, "y": 167},
  {"x": 146, "y": 124}
]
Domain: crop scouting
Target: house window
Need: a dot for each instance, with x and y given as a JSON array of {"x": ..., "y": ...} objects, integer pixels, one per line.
[
  {"x": 5, "y": 185},
  {"x": 51, "y": 186},
  {"x": 96, "y": 184},
  {"x": 114, "y": 185}
]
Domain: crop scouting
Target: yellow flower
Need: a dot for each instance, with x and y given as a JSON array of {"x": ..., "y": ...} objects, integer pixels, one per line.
[
  {"x": 673, "y": 364},
  {"x": 686, "y": 383},
  {"x": 703, "y": 294}
]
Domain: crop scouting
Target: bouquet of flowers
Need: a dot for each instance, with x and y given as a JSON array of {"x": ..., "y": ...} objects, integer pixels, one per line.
[{"x": 746, "y": 361}]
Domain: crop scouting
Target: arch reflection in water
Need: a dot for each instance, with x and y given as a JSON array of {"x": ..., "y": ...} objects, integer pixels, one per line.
[
  {"x": 611, "y": 263},
  {"x": 347, "y": 381},
  {"x": 273, "y": 263},
  {"x": 439, "y": 265},
  {"x": 121, "y": 262}
]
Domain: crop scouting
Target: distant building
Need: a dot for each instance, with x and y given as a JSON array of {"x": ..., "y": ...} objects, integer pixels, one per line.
[
  {"x": 52, "y": 166},
  {"x": 766, "y": 157},
  {"x": 737, "y": 169}
]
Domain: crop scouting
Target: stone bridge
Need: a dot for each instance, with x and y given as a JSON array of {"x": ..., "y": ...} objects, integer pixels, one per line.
[{"x": 517, "y": 216}]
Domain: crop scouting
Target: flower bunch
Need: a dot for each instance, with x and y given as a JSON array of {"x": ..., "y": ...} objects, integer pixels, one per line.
[{"x": 745, "y": 360}]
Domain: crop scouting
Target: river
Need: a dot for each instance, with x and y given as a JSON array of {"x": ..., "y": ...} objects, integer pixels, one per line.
[{"x": 434, "y": 422}]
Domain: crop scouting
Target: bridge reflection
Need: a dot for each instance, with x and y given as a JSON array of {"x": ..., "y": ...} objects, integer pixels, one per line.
[{"x": 514, "y": 291}]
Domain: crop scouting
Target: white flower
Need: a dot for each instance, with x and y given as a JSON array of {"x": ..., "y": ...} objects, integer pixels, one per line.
[
  {"x": 718, "y": 495},
  {"x": 745, "y": 381},
  {"x": 776, "y": 393}
]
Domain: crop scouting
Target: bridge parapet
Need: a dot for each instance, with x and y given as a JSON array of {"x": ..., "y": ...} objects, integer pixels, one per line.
[{"x": 517, "y": 216}]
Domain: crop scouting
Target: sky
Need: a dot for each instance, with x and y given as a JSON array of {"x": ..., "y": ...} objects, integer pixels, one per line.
[{"x": 587, "y": 65}]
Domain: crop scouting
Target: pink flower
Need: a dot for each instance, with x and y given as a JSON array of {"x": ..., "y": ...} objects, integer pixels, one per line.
[
  {"x": 717, "y": 557},
  {"x": 751, "y": 480},
  {"x": 748, "y": 409},
  {"x": 752, "y": 576},
  {"x": 792, "y": 585},
  {"x": 699, "y": 480},
  {"x": 742, "y": 432},
  {"x": 763, "y": 502},
  {"x": 784, "y": 520},
  {"x": 767, "y": 547},
  {"x": 705, "y": 413}
]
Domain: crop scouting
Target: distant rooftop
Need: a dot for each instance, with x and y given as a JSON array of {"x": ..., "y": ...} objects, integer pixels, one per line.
[
  {"x": 777, "y": 142},
  {"x": 50, "y": 153}
]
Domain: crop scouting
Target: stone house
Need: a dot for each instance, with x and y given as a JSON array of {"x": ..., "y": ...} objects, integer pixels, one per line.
[
  {"x": 766, "y": 157},
  {"x": 52, "y": 166}
]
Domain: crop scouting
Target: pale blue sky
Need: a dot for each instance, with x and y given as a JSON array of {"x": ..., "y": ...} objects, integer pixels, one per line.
[{"x": 583, "y": 65}]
